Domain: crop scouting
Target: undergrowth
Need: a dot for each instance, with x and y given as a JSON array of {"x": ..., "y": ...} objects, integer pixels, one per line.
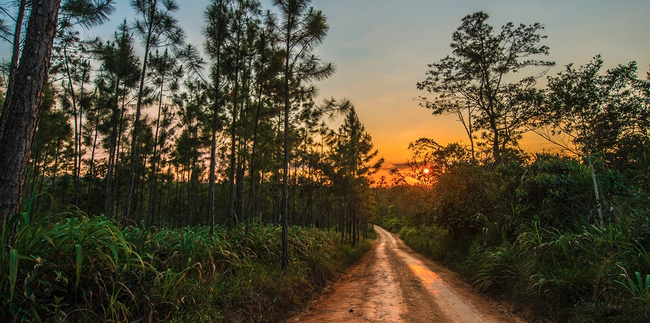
[
  {"x": 529, "y": 233},
  {"x": 77, "y": 268},
  {"x": 597, "y": 274}
]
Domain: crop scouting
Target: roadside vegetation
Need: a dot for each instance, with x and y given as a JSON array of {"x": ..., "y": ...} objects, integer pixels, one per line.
[
  {"x": 76, "y": 268},
  {"x": 525, "y": 233}
]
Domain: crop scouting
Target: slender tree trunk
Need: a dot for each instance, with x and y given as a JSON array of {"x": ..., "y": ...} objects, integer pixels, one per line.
[
  {"x": 213, "y": 162},
  {"x": 252, "y": 169},
  {"x": 494, "y": 126},
  {"x": 285, "y": 162},
  {"x": 178, "y": 195},
  {"x": 22, "y": 110},
  {"x": 136, "y": 122},
  {"x": 79, "y": 155},
  {"x": 213, "y": 136},
  {"x": 40, "y": 184},
  {"x": 154, "y": 172},
  {"x": 119, "y": 162},
  {"x": 470, "y": 131},
  {"x": 596, "y": 189},
  {"x": 112, "y": 151},
  {"x": 15, "y": 55},
  {"x": 75, "y": 112},
  {"x": 55, "y": 166},
  {"x": 35, "y": 169},
  {"x": 232, "y": 215},
  {"x": 91, "y": 170}
]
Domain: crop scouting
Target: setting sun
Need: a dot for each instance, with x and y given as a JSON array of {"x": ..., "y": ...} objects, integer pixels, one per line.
[{"x": 426, "y": 171}]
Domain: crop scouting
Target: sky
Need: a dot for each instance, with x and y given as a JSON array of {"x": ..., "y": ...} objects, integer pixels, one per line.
[{"x": 381, "y": 49}]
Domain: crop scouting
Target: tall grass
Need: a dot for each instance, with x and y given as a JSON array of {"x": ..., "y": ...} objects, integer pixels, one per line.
[
  {"x": 565, "y": 275},
  {"x": 78, "y": 268}
]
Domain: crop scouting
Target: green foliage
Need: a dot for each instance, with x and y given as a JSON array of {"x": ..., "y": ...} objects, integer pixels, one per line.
[
  {"x": 470, "y": 194},
  {"x": 432, "y": 241},
  {"x": 526, "y": 232},
  {"x": 353, "y": 161},
  {"x": 531, "y": 224},
  {"x": 638, "y": 286},
  {"x": 554, "y": 191},
  {"x": 74, "y": 267}
]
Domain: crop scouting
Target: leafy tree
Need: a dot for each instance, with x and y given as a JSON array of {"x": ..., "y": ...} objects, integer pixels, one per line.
[
  {"x": 474, "y": 78},
  {"x": 301, "y": 28},
  {"x": 591, "y": 113}
]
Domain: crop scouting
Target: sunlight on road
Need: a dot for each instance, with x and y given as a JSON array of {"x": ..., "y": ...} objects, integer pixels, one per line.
[
  {"x": 453, "y": 304},
  {"x": 427, "y": 276}
]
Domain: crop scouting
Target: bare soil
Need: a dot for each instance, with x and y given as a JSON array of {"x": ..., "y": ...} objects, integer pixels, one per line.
[{"x": 392, "y": 283}]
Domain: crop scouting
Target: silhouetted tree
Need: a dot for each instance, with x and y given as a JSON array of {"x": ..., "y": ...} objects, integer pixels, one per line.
[
  {"x": 216, "y": 32},
  {"x": 473, "y": 79},
  {"x": 600, "y": 113},
  {"x": 166, "y": 72},
  {"x": 120, "y": 72},
  {"x": 354, "y": 161}
]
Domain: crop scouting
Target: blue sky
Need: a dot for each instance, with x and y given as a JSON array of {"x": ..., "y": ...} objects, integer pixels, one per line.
[{"x": 382, "y": 47}]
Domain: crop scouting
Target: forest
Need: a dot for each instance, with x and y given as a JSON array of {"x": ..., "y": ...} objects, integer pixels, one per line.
[
  {"x": 158, "y": 179},
  {"x": 141, "y": 179}
]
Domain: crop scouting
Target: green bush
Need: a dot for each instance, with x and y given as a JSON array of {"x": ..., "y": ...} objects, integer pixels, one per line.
[
  {"x": 471, "y": 193},
  {"x": 556, "y": 192}
]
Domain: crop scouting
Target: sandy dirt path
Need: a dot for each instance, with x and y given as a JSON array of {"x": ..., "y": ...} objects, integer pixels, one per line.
[{"x": 392, "y": 283}]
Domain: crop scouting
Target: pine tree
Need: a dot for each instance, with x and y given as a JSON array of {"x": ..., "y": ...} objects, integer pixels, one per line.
[{"x": 301, "y": 28}]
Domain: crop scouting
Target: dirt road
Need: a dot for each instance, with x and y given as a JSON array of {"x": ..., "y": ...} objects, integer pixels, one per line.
[{"x": 392, "y": 283}]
